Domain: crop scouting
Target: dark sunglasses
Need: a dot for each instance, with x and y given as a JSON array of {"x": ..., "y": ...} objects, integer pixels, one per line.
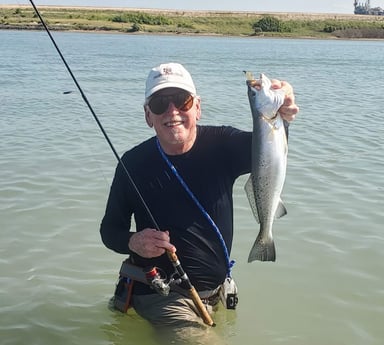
[{"x": 181, "y": 100}]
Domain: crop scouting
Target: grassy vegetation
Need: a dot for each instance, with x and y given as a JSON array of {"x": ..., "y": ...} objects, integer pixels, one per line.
[{"x": 194, "y": 22}]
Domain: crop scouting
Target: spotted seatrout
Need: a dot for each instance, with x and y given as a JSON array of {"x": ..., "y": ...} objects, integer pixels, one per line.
[{"x": 269, "y": 162}]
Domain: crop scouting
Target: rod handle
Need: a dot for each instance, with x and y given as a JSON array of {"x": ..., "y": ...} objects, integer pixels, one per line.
[
  {"x": 201, "y": 307},
  {"x": 192, "y": 291}
]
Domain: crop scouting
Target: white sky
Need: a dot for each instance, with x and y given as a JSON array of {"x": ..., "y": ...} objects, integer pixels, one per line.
[{"x": 319, "y": 6}]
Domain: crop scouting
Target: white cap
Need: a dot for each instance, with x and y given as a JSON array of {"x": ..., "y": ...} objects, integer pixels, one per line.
[{"x": 169, "y": 75}]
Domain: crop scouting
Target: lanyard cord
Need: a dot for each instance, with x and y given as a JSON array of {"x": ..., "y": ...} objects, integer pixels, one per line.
[{"x": 230, "y": 263}]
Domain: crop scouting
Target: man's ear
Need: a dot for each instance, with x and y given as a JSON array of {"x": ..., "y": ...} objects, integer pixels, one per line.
[
  {"x": 198, "y": 108},
  {"x": 147, "y": 117}
]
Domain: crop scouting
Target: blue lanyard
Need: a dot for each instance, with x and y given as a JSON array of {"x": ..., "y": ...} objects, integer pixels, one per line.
[{"x": 230, "y": 263}]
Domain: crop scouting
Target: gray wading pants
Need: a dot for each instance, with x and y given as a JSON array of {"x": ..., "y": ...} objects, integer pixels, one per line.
[
  {"x": 176, "y": 321},
  {"x": 174, "y": 310}
]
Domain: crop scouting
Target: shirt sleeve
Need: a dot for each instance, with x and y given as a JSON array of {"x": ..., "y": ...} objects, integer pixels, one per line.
[{"x": 116, "y": 224}]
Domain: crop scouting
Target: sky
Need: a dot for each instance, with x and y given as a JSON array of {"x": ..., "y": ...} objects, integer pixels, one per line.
[{"x": 307, "y": 6}]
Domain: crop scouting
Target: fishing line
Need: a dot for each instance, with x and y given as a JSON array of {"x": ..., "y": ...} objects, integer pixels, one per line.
[
  {"x": 171, "y": 255},
  {"x": 149, "y": 213}
]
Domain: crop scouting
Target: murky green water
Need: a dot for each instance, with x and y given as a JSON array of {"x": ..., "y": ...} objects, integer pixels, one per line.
[{"x": 56, "y": 278}]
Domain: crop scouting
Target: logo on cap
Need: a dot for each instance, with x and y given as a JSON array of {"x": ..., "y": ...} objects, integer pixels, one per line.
[{"x": 167, "y": 70}]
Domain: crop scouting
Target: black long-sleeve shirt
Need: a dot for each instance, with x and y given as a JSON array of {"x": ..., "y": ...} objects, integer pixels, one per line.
[{"x": 210, "y": 168}]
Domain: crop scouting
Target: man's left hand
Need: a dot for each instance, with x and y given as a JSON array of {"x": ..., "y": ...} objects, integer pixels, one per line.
[{"x": 289, "y": 109}]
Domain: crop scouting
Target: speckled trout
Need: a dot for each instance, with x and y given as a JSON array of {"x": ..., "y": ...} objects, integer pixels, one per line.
[{"x": 269, "y": 162}]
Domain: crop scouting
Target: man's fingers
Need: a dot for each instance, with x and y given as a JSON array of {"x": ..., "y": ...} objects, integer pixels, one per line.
[
  {"x": 150, "y": 243},
  {"x": 276, "y": 84}
]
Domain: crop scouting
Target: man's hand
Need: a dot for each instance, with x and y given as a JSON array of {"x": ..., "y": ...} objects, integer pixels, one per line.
[
  {"x": 289, "y": 109},
  {"x": 150, "y": 243}
]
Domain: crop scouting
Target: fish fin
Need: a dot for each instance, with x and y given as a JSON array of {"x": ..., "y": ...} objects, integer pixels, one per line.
[
  {"x": 281, "y": 210},
  {"x": 251, "y": 197},
  {"x": 263, "y": 250}
]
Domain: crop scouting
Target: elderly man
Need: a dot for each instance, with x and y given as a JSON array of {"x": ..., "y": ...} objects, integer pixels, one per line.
[{"x": 209, "y": 159}]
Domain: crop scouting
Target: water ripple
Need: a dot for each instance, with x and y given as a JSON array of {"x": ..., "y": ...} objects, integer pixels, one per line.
[{"x": 57, "y": 277}]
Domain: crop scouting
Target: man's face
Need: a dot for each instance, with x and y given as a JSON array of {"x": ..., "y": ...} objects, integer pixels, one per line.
[{"x": 173, "y": 113}]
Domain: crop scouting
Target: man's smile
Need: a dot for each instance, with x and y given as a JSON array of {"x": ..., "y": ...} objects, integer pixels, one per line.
[{"x": 173, "y": 123}]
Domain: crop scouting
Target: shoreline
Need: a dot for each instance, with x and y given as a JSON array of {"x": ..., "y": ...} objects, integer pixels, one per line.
[
  {"x": 289, "y": 15},
  {"x": 192, "y": 22},
  {"x": 113, "y": 32}
]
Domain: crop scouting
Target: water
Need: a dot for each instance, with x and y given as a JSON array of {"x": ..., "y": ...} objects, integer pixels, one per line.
[{"x": 56, "y": 276}]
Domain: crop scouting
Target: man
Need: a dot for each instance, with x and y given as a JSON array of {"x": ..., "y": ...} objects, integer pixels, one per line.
[{"x": 208, "y": 159}]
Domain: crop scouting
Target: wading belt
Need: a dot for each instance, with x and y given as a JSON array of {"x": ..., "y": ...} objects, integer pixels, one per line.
[{"x": 230, "y": 263}]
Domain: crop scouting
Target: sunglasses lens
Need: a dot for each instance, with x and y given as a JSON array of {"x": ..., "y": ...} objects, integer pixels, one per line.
[
  {"x": 186, "y": 102},
  {"x": 158, "y": 105},
  {"x": 182, "y": 101}
]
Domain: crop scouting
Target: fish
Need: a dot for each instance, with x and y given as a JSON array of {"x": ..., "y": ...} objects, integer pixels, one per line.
[{"x": 269, "y": 163}]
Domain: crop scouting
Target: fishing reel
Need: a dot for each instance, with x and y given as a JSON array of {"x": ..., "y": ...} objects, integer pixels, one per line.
[{"x": 157, "y": 280}]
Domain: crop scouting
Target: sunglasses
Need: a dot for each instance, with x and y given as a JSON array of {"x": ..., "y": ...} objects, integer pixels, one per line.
[{"x": 181, "y": 100}]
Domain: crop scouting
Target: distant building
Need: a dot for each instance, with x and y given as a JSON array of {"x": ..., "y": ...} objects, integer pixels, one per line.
[{"x": 366, "y": 8}]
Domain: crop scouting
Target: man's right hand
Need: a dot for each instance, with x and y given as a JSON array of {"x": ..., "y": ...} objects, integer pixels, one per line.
[{"x": 150, "y": 243}]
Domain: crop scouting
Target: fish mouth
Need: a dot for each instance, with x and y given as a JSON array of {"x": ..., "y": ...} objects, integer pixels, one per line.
[
  {"x": 255, "y": 83},
  {"x": 263, "y": 99},
  {"x": 252, "y": 81}
]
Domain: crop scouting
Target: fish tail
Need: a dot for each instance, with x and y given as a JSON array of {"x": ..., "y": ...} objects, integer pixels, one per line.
[{"x": 263, "y": 250}]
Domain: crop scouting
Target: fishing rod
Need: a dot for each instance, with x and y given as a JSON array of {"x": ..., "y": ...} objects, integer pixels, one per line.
[
  {"x": 95, "y": 117},
  {"x": 172, "y": 256}
]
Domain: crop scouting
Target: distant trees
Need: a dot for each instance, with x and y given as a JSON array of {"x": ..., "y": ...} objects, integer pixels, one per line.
[
  {"x": 272, "y": 24},
  {"x": 140, "y": 18},
  {"x": 268, "y": 24},
  {"x": 336, "y": 27}
]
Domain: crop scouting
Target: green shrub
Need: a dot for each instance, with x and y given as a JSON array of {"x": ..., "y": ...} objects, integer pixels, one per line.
[
  {"x": 141, "y": 18},
  {"x": 268, "y": 24},
  {"x": 135, "y": 28},
  {"x": 184, "y": 25}
]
